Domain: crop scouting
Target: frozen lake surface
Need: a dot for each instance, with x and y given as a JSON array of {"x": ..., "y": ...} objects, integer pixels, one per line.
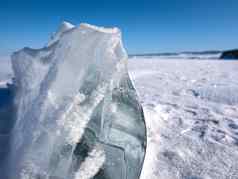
[{"x": 191, "y": 112}]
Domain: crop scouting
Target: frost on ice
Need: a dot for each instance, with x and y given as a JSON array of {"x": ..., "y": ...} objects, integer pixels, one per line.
[{"x": 78, "y": 115}]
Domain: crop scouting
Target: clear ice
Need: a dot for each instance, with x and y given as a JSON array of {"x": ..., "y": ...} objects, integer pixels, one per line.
[{"x": 78, "y": 114}]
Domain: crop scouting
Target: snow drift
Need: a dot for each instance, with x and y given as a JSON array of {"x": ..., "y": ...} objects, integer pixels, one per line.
[{"x": 78, "y": 115}]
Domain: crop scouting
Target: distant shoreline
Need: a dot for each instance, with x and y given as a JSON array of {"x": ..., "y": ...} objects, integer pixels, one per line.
[{"x": 207, "y": 52}]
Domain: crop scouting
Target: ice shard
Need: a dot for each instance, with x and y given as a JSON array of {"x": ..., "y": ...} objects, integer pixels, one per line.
[{"x": 78, "y": 114}]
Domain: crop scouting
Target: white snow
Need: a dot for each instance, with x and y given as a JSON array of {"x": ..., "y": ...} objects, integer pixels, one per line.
[
  {"x": 191, "y": 112},
  {"x": 92, "y": 164},
  {"x": 113, "y": 30}
]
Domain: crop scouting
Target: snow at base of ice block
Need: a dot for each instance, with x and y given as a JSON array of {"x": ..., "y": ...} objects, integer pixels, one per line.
[
  {"x": 76, "y": 107},
  {"x": 191, "y": 112}
]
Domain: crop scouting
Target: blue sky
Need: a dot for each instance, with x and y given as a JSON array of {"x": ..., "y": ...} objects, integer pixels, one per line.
[{"x": 148, "y": 25}]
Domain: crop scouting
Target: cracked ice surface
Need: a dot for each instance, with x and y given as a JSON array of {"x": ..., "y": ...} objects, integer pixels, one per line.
[{"x": 78, "y": 115}]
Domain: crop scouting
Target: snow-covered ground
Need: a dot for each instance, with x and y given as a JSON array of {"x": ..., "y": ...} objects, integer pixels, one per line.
[{"x": 191, "y": 112}]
